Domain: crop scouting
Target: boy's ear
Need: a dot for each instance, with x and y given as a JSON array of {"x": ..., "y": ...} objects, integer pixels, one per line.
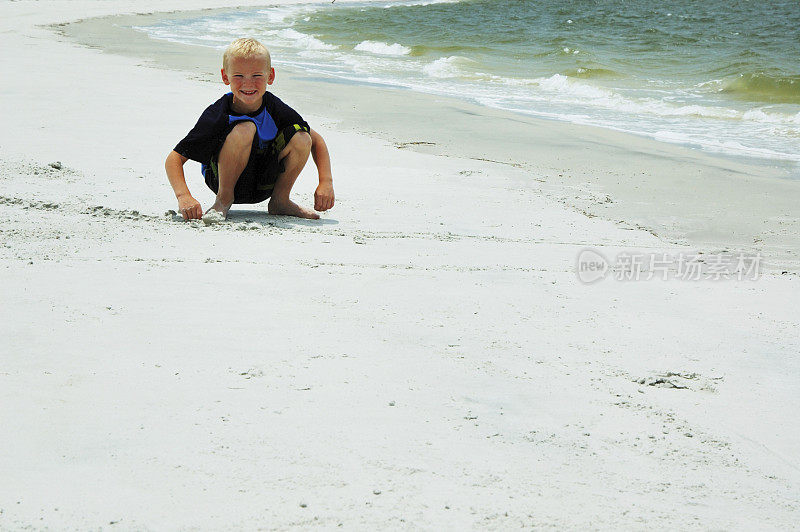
[
  {"x": 271, "y": 77},
  {"x": 225, "y": 79}
]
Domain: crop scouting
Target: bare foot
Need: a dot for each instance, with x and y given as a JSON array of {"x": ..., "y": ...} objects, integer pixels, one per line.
[
  {"x": 290, "y": 208},
  {"x": 222, "y": 206},
  {"x": 212, "y": 217}
]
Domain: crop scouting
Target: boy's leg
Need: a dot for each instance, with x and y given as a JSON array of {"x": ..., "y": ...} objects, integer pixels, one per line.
[
  {"x": 233, "y": 159},
  {"x": 294, "y": 157}
]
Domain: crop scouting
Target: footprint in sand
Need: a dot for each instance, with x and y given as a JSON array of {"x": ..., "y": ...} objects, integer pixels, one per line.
[{"x": 213, "y": 217}]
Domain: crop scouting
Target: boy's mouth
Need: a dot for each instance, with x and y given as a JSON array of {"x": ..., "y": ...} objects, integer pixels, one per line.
[{"x": 248, "y": 93}]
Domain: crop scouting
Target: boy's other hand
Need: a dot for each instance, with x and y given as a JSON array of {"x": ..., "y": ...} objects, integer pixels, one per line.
[
  {"x": 323, "y": 197},
  {"x": 189, "y": 208}
]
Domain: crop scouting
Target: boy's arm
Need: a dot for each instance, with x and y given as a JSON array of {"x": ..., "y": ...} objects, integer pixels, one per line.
[
  {"x": 323, "y": 196},
  {"x": 187, "y": 205}
]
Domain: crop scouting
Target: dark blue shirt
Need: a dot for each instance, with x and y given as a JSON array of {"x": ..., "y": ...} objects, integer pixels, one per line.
[{"x": 207, "y": 136}]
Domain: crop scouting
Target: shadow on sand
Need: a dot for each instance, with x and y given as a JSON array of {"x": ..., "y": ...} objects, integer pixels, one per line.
[{"x": 239, "y": 216}]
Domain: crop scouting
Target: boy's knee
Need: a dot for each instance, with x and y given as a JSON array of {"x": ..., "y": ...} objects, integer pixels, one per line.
[
  {"x": 243, "y": 132},
  {"x": 301, "y": 141}
]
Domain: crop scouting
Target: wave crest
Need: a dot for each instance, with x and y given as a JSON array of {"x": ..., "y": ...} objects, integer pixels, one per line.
[
  {"x": 302, "y": 40},
  {"x": 381, "y": 48},
  {"x": 446, "y": 67},
  {"x": 760, "y": 86}
]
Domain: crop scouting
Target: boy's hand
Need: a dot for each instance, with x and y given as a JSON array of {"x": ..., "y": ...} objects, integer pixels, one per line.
[
  {"x": 323, "y": 197},
  {"x": 189, "y": 208}
]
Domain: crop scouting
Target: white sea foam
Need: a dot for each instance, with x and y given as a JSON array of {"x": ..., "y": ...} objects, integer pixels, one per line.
[
  {"x": 564, "y": 85},
  {"x": 284, "y": 14},
  {"x": 759, "y": 115},
  {"x": 712, "y": 83},
  {"x": 445, "y": 67},
  {"x": 303, "y": 41},
  {"x": 169, "y": 35},
  {"x": 666, "y": 109},
  {"x": 583, "y": 93},
  {"x": 723, "y": 146},
  {"x": 381, "y": 48}
]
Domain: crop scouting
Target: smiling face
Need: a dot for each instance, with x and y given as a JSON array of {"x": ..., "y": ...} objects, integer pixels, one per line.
[{"x": 248, "y": 78}]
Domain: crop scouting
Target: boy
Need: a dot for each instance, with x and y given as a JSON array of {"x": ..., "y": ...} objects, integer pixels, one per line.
[{"x": 251, "y": 145}]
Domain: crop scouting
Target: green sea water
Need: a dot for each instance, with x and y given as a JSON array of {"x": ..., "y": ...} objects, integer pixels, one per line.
[
  {"x": 722, "y": 76},
  {"x": 751, "y": 50}
]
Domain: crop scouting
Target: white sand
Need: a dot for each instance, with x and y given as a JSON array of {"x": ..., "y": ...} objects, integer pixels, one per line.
[{"x": 423, "y": 356}]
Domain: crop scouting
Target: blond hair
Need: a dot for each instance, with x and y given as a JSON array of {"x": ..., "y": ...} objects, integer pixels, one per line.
[{"x": 246, "y": 48}]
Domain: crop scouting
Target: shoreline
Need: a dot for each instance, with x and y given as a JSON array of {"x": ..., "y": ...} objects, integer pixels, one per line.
[{"x": 688, "y": 197}]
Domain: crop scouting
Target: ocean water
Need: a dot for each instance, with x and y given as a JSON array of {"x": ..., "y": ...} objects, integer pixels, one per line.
[{"x": 718, "y": 75}]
